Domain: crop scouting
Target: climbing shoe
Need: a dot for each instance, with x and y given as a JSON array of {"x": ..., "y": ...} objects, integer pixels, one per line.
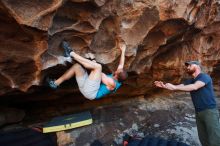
[
  {"x": 67, "y": 49},
  {"x": 51, "y": 84}
]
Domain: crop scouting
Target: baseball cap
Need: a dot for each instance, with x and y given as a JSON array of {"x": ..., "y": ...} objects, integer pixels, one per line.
[{"x": 194, "y": 62}]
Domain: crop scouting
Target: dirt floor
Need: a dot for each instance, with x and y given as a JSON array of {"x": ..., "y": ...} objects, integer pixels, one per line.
[
  {"x": 170, "y": 117},
  {"x": 165, "y": 116}
]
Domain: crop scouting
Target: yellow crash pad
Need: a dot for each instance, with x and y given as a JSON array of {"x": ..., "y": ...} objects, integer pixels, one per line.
[{"x": 68, "y": 122}]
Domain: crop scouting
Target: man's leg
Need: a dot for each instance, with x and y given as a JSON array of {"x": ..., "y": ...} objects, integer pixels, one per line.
[
  {"x": 76, "y": 70},
  {"x": 92, "y": 83},
  {"x": 96, "y": 68},
  {"x": 68, "y": 51},
  {"x": 201, "y": 127},
  {"x": 85, "y": 62},
  {"x": 213, "y": 126}
]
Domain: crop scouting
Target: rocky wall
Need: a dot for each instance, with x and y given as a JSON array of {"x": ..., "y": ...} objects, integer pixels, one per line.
[{"x": 160, "y": 36}]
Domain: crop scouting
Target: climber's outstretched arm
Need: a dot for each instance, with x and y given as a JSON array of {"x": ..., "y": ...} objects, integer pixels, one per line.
[{"x": 122, "y": 58}]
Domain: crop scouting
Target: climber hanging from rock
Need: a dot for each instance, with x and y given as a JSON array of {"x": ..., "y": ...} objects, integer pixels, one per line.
[{"x": 97, "y": 84}]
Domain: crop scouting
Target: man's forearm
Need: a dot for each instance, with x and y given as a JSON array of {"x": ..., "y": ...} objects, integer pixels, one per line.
[
  {"x": 190, "y": 87},
  {"x": 122, "y": 60}
]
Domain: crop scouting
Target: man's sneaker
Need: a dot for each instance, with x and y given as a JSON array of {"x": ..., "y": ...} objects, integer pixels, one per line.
[
  {"x": 52, "y": 84},
  {"x": 67, "y": 49}
]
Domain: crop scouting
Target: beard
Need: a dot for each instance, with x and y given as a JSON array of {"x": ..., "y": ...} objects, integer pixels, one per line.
[{"x": 190, "y": 71}]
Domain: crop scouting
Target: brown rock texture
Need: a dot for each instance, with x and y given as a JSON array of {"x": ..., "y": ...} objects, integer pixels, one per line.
[{"x": 160, "y": 36}]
